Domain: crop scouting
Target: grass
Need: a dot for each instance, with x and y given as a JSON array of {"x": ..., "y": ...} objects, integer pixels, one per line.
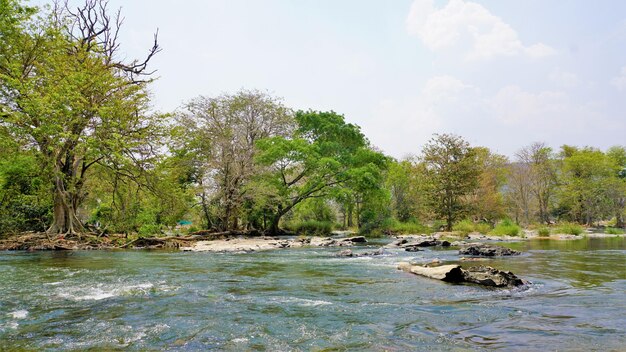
[
  {"x": 569, "y": 228},
  {"x": 613, "y": 231},
  {"x": 506, "y": 228},
  {"x": 466, "y": 226}
]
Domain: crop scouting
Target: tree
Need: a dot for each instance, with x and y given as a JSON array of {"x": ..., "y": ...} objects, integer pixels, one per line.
[
  {"x": 405, "y": 180},
  {"x": 542, "y": 177},
  {"x": 617, "y": 155},
  {"x": 486, "y": 201},
  {"x": 63, "y": 90},
  {"x": 453, "y": 174},
  {"x": 224, "y": 132},
  {"x": 588, "y": 177},
  {"x": 518, "y": 193},
  {"x": 323, "y": 154}
]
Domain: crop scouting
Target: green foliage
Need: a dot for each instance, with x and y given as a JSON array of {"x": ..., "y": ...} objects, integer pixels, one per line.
[
  {"x": 613, "y": 231},
  {"x": 569, "y": 228},
  {"x": 413, "y": 227},
  {"x": 310, "y": 227},
  {"x": 149, "y": 229},
  {"x": 463, "y": 227},
  {"x": 506, "y": 228},
  {"x": 452, "y": 171},
  {"x": 543, "y": 231},
  {"x": 467, "y": 226},
  {"x": 325, "y": 155}
]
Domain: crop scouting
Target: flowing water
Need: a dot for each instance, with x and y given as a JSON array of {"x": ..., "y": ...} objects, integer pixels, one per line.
[{"x": 307, "y": 299}]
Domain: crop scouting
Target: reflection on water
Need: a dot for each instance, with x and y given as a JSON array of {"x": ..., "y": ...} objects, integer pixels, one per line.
[{"x": 307, "y": 299}]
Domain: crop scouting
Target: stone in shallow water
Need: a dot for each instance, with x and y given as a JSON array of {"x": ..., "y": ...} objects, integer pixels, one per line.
[
  {"x": 487, "y": 250},
  {"x": 481, "y": 275}
]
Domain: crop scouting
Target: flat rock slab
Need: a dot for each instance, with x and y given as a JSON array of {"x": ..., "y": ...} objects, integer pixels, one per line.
[
  {"x": 487, "y": 250},
  {"x": 267, "y": 243},
  {"x": 480, "y": 275}
]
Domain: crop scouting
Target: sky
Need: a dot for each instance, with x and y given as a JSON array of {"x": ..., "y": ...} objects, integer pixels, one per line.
[{"x": 500, "y": 73}]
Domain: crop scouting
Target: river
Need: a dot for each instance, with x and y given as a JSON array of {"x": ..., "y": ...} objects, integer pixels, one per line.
[{"x": 307, "y": 299}]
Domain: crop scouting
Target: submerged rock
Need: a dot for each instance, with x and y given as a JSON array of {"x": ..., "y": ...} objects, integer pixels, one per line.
[
  {"x": 345, "y": 253},
  {"x": 481, "y": 275},
  {"x": 487, "y": 250},
  {"x": 349, "y": 253}
]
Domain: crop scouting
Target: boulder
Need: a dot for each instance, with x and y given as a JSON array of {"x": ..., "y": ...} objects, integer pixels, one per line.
[
  {"x": 449, "y": 273},
  {"x": 487, "y": 250},
  {"x": 345, "y": 253},
  {"x": 412, "y": 248},
  {"x": 355, "y": 239},
  {"x": 480, "y": 275},
  {"x": 488, "y": 276},
  {"x": 349, "y": 253}
]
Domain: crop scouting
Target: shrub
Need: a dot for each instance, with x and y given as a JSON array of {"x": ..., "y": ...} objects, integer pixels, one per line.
[
  {"x": 464, "y": 227},
  {"x": 506, "y": 228},
  {"x": 399, "y": 227},
  {"x": 310, "y": 227},
  {"x": 613, "y": 231},
  {"x": 569, "y": 228},
  {"x": 482, "y": 227},
  {"x": 543, "y": 231},
  {"x": 149, "y": 229}
]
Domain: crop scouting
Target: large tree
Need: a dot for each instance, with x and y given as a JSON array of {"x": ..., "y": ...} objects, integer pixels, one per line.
[
  {"x": 323, "y": 155},
  {"x": 223, "y": 132},
  {"x": 64, "y": 90},
  {"x": 453, "y": 172},
  {"x": 542, "y": 176}
]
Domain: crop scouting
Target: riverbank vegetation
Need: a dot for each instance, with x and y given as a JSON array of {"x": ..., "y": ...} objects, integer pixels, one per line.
[{"x": 81, "y": 151}]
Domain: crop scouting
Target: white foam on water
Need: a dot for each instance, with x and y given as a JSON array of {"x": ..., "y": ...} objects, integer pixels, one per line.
[
  {"x": 19, "y": 314},
  {"x": 239, "y": 340},
  {"x": 102, "y": 291},
  {"x": 302, "y": 301}
]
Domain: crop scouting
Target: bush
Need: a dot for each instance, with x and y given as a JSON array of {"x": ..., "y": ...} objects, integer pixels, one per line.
[
  {"x": 543, "y": 231},
  {"x": 463, "y": 227},
  {"x": 569, "y": 228},
  {"x": 482, "y": 227},
  {"x": 310, "y": 227},
  {"x": 466, "y": 226},
  {"x": 149, "y": 229},
  {"x": 613, "y": 231},
  {"x": 399, "y": 227},
  {"x": 506, "y": 228}
]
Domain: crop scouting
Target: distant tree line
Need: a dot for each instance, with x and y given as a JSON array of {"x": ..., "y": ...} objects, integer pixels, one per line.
[{"x": 81, "y": 151}]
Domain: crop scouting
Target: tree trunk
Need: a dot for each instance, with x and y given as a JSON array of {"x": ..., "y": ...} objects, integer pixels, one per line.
[{"x": 65, "y": 220}]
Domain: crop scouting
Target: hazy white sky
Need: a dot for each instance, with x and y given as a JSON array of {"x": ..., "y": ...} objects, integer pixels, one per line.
[{"x": 500, "y": 73}]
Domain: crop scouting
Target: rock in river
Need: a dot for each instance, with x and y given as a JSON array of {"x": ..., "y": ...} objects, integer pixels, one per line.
[
  {"x": 487, "y": 250},
  {"x": 481, "y": 275}
]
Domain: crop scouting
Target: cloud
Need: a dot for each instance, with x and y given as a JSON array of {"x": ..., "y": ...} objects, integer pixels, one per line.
[
  {"x": 564, "y": 79},
  {"x": 619, "y": 81},
  {"x": 459, "y": 20},
  {"x": 445, "y": 89},
  {"x": 415, "y": 118}
]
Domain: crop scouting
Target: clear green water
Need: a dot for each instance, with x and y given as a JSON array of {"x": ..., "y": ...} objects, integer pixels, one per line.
[{"x": 307, "y": 299}]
